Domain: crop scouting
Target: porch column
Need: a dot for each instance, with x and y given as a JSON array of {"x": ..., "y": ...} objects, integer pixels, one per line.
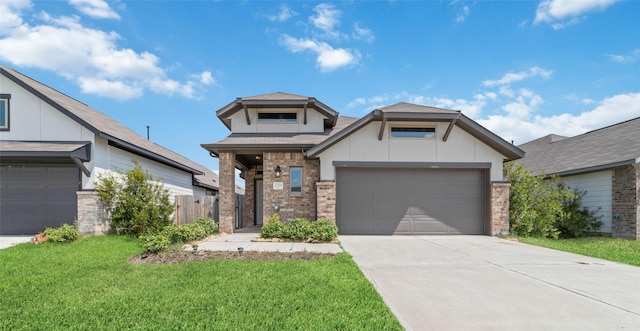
[
  {"x": 326, "y": 200},
  {"x": 227, "y": 200}
]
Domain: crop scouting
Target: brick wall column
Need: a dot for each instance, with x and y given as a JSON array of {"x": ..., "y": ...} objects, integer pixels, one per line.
[
  {"x": 637, "y": 167},
  {"x": 500, "y": 208},
  {"x": 93, "y": 216},
  {"x": 625, "y": 222},
  {"x": 326, "y": 192},
  {"x": 227, "y": 189},
  {"x": 249, "y": 196}
]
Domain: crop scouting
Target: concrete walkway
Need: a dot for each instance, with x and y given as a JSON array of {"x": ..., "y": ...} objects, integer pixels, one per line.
[
  {"x": 487, "y": 283},
  {"x": 8, "y": 241},
  {"x": 231, "y": 242}
]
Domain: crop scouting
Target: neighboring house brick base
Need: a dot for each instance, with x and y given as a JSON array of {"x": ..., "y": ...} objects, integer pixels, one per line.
[
  {"x": 227, "y": 200},
  {"x": 500, "y": 208},
  {"x": 93, "y": 216},
  {"x": 326, "y": 192},
  {"x": 626, "y": 202}
]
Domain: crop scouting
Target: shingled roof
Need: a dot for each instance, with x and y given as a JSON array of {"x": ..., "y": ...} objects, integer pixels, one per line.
[
  {"x": 102, "y": 125},
  {"x": 608, "y": 147}
]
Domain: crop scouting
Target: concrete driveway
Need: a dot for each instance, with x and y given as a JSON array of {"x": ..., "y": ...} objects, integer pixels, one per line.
[{"x": 487, "y": 283}]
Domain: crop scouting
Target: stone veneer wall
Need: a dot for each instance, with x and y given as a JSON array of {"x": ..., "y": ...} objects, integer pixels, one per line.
[
  {"x": 291, "y": 205},
  {"x": 227, "y": 200},
  {"x": 93, "y": 216},
  {"x": 625, "y": 216},
  {"x": 500, "y": 208},
  {"x": 326, "y": 192}
]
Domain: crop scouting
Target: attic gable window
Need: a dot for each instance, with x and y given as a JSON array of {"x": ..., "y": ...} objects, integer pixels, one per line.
[
  {"x": 418, "y": 133},
  {"x": 4, "y": 112},
  {"x": 277, "y": 117}
]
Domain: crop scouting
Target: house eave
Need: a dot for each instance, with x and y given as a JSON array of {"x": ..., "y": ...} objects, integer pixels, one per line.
[{"x": 596, "y": 168}]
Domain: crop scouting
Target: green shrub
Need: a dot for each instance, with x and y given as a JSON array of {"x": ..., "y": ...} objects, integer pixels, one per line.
[
  {"x": 298, "y": 229},
  {"x": 273, "y": 229},
  {"x": 138, "y": 203},
  {"x": 324, "y": 230},
  {"x": 65, "y": 233},
  {"x": 210, "y": 226},
  {"x": 179, "y": 233},
  {"x": 155, "y": 243},
  {"x": 575, "y": 220}
]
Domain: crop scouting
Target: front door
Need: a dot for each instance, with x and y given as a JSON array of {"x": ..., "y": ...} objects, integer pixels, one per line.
[{"x": 258, "y": 202}]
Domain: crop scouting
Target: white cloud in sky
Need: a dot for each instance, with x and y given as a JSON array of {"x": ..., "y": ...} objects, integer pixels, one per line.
[
  {"x": 328, "y": 58},
  {"x": 512, "y": 77},
  {"x": 516, "y": 117},
  {"x": 284, "y": 14},
  {"x": 631, "y": 57},
  {"x": 327, "y": 19},
  {"x": 362, "y": 33},
  {"x": 88, "y": 56},
  {"x": 95, "y": 8},
  {"x": 556, "y": 12},
  {"x": 462, "y": 14}
]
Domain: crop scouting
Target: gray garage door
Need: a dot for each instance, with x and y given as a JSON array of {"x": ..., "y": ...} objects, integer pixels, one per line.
[
  {"x": 32, "y": 198},
  {"x": 410, "y": 201}
]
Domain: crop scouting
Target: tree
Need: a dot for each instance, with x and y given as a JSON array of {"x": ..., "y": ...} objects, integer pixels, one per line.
[
  {"x": 138, "y": 204},
  {"x": 535, "y": 202}
]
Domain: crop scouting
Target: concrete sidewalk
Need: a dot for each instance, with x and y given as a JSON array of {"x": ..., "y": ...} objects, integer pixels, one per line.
[
  {"x": 231, "y": 242},
  {"x": 8, "y": 241}
]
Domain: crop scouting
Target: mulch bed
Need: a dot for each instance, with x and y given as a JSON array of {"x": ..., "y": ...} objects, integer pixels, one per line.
[{"x": 181, "y": 256}]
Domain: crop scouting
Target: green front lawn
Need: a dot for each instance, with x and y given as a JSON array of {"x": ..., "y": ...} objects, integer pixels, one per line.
[
  {"x": 618, "y": 250},
  {"x": 90, "y": 286}
]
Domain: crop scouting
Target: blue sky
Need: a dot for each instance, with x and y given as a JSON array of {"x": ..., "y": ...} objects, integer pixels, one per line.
[{"x": 523, "y": 69}]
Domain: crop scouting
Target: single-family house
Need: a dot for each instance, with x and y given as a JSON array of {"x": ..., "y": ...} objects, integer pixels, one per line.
[
  {"x": 53, "y": 147},
  {"x": 401, "y": 169},
  {"x": 605, "y": 163}
]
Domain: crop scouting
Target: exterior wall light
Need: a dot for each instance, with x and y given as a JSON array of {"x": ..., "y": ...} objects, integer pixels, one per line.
[{"x": 278, "y": 171}]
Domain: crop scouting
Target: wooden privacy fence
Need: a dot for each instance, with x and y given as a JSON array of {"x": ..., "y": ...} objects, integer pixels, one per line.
[{"x": 189, "y": 207}]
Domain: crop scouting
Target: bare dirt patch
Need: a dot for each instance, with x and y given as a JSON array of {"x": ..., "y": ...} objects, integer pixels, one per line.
[{"x": 182, "y": 256}]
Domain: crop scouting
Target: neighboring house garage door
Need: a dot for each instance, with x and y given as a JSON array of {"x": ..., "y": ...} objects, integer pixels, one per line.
[
  {"x": 410, "y": 201},
  {"x": 35, "y": 197}
]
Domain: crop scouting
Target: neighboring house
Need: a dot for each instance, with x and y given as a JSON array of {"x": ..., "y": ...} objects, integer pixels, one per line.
[
  {"x": 402, "y": 169},
  {"x": 53, "y": 147},
  {"x": 605, "y": 163}
]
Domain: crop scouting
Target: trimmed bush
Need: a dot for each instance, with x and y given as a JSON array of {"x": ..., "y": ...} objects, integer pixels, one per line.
[
  {"x": 209, "y": 225},
  {"x": 298, "y": 229},
  {"x": 179, "y": 233},
  {"x": 65, "y": 233},
  {"x": 155, "y": 243},
  {"x": 324, "y": 230},
  {"x": 273, "y": 229}
]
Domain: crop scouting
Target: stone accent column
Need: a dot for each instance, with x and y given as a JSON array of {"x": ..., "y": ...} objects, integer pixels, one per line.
[
  {"x": 227, "y": 201},
  {"x": 249, "y": 196},
  {"x": 500, "y": 208},
  {"x": 326, "y": 200},
  {"x": 625, "y": 216},
  {"x": 93, "y": 215}
]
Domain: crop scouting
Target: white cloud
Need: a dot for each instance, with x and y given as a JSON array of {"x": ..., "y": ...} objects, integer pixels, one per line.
[
  {"x": 10, "y": 11},
  {"x": 90, "y": 57},
  {"x": 206, "y": 78},
  {"x": 512, "y": 77},
  {"x": 631, "y": 57},
  {"x": 327, "y": 19},
  {"x": 362, "y": 33},
  {"x": 462, "y": 14},
  {"x": 328, "y": 58},
  {"x": 552, "y": 11},
  {"x": 284, "y": 14},
  {"x": 95, "y": 8}
]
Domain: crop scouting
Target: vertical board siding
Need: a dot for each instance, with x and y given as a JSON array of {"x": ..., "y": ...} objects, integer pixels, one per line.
[
  {"x": 599, "y": 192},
  {"x": 189, "y": 207}
]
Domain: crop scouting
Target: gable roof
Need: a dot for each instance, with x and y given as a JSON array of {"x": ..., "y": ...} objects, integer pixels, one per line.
[
  {"x": 604, "y": 148},
  {"x": 403, "y": 111},
  {"x": 102, "y": 125},
  {"x": 278, "y": 99}
]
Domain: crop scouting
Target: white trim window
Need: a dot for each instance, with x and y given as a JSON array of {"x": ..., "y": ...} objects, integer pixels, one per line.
[
  {"x": 4, "y": 112},
  {"x": 295, "y": 180},
  {"x": 413, "y": 133}
]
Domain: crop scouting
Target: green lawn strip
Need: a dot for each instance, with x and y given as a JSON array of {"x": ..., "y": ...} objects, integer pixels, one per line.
[
  {"x": 89, "y": 285},
  {"x": 618, "y": 250}
]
